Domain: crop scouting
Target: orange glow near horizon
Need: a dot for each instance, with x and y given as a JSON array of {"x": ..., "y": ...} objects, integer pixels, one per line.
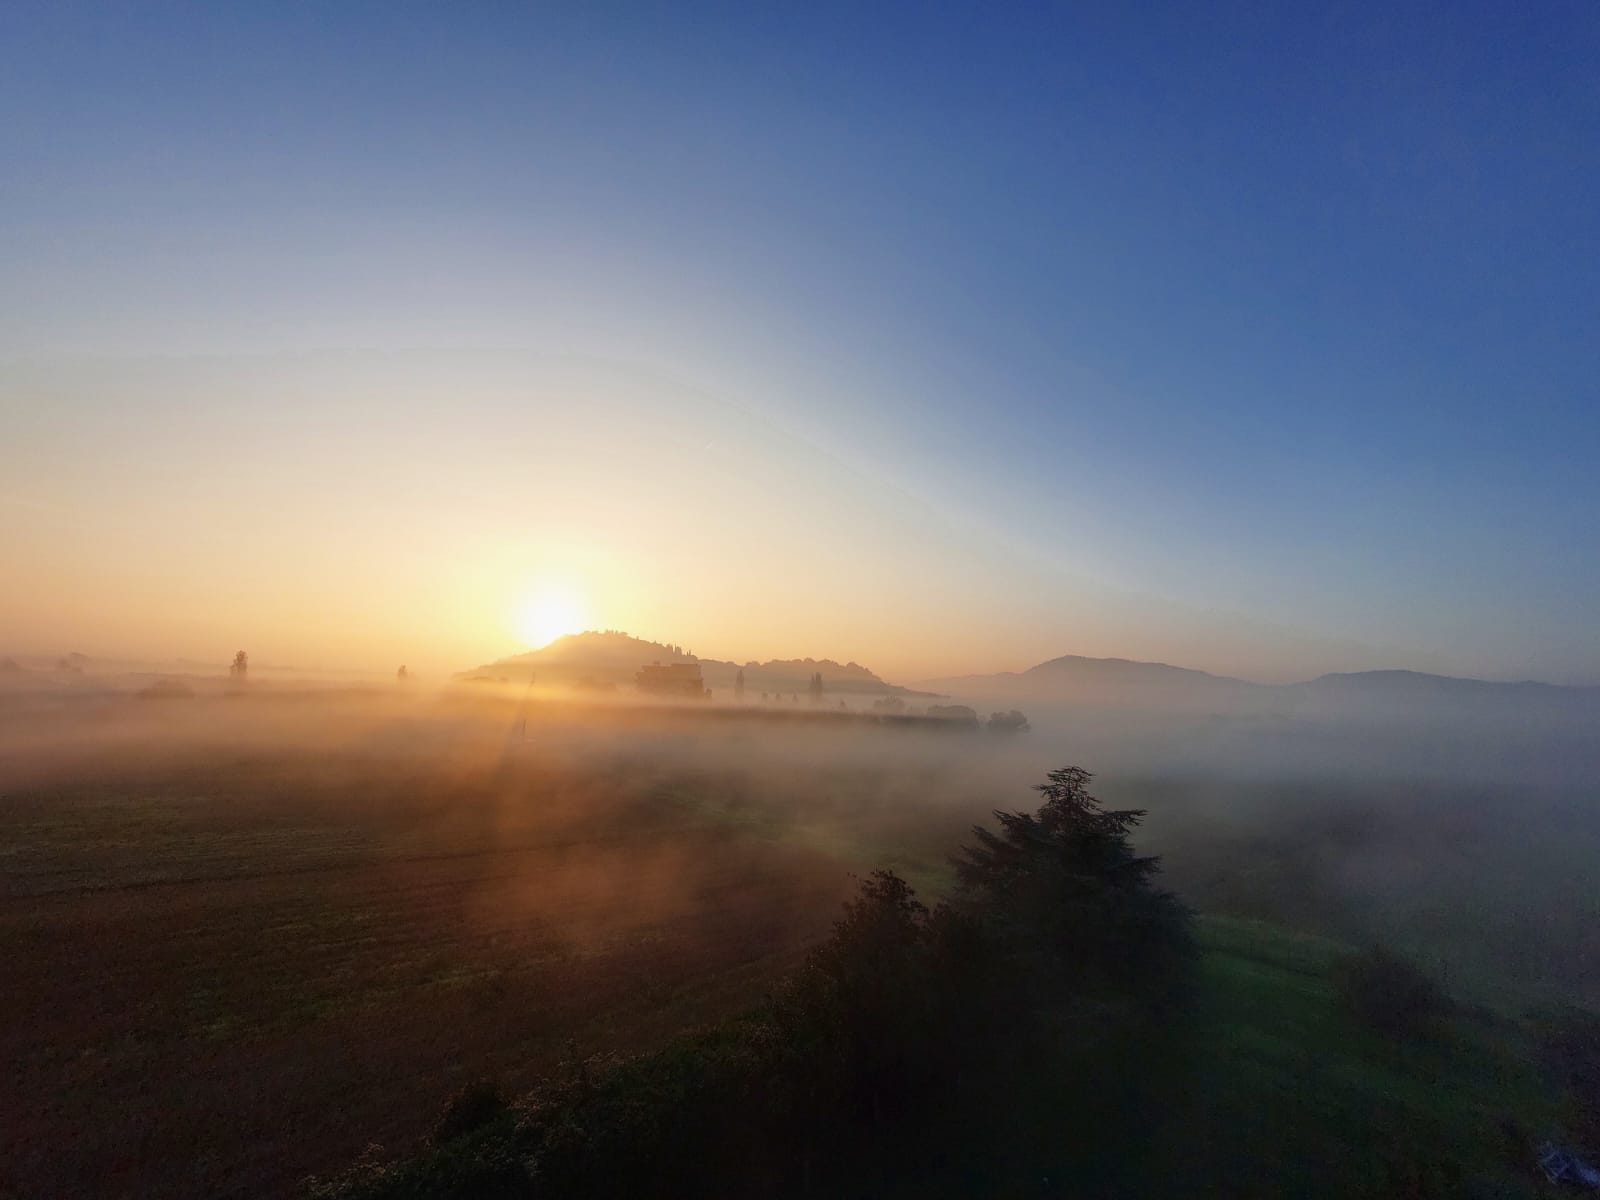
[
  {"x": 509, "y": 524},
  {"x": 550, "y": 611}
]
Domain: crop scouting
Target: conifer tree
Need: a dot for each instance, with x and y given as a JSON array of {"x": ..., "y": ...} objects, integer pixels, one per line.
[{"x": 1063, "y": 889}]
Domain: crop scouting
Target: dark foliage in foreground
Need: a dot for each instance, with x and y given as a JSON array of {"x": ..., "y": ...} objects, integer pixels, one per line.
[
  {"x": 1570, "y": 1042},
  {"x": 474, "y": 1106},
  {"x": 974, "y": 1048}
]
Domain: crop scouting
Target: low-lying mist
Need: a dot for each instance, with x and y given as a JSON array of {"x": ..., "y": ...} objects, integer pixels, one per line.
[
  {"x": 324, "y": 890},
  {"x": 1466, "y": 845}
]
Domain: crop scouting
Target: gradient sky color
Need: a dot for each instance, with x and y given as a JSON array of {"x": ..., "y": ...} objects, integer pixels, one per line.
[{"x": 1259, "y": 338}]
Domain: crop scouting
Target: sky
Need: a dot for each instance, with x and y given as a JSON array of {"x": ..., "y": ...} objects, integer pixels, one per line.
[{"x": 1256, "y": 338}]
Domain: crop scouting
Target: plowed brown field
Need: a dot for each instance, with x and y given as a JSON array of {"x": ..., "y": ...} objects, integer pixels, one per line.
[{"x": 233, "y": 961}]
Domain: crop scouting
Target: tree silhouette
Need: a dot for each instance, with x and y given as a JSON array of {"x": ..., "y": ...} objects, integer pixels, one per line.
[
  {"x": 912, "y": 1046},
  {"x": 1008, "y": 722},
  {"x": 814, "y": 688},
  {"x": 738, "y": 686},
  {"x": 1064, "y": 885},
  {"x": 241, "y": 667}
]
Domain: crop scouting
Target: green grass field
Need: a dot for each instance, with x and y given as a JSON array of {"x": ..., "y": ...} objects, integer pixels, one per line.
[
  {"x": 1288, "y": 1097},
  {"x": 1285, "y": 1095}
]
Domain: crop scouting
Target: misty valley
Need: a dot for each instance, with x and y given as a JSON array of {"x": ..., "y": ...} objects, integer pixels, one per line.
[{"x": 272, "y": 930}]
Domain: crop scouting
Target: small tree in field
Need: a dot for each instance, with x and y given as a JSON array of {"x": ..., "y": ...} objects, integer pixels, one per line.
[{"x": 240, "y": 668}]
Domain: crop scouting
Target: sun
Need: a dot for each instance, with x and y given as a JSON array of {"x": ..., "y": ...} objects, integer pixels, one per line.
[{"x": 548, "y": 613}]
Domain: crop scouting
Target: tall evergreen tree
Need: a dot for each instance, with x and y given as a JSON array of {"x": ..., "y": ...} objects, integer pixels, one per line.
[{"x": 1062, "y": 891}]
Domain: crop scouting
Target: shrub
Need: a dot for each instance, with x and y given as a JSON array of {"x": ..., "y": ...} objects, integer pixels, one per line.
[
  {"x": 1391, "y": 995},
  {"x": 471, "y": 1108},
  {"x": 955, "y": 714},
  {"x": 1008, "y": 722}
]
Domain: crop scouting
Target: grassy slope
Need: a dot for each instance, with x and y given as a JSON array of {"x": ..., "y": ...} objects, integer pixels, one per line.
[
  {"x": 1288, "y": 1097},
  {"x": 1285, "y": 1094},
  {"x": 1281, "y": 1096}
]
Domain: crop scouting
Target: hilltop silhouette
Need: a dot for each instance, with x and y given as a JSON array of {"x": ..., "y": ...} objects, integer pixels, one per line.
[{"x": 611, "y": 656}]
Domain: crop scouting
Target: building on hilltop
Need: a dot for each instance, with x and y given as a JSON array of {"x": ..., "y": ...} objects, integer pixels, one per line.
[{"x": 672, "y": 679}]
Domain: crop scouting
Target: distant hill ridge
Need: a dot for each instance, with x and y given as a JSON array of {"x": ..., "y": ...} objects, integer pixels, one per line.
[
  {"x": 1078, "y": 668},
  {"x": 1124, "y": 668},
  {"x": 611, "y": 656},
  {"x": 1075, "y": 678}
]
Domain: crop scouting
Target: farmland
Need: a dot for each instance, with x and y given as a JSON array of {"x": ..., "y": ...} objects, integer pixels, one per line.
[
  {"x": 245, "y": 940},
  {"x": 249, "y": 938}
]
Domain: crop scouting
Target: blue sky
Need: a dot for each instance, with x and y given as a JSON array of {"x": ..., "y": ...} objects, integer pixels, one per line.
[{"x": 1275, "y": 314}]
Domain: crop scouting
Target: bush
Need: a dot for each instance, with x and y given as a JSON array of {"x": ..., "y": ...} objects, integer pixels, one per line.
[
  {"x": 1390, "y": 995},
  {"x": 954, "y": 714},
  {"x": 1008, "y": 722},
  {"x": 471, "y": 1108}
]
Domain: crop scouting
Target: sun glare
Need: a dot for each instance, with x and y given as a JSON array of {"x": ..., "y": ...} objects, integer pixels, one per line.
[{"x": 549, "y": 613}]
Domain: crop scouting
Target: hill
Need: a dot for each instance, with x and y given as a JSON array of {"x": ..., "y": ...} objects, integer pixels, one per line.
[
  {"x": 1378, "y": 692},
  {"x": 611, "y": 657},
  {"x": 1074, "y": 678},
  {"x": 1120, "y": 682}
]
